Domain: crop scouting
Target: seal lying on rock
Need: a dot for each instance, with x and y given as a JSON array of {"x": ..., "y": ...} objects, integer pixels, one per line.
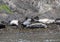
[
  {"x": 57, "y": 21},
  {"x": 45, "y": 20},
  {"x": 26, "y": 22},
  {"x": 2, "y": 26},
  {"x": 14, "y": 23},
  {"x": 37, "y": 25}
]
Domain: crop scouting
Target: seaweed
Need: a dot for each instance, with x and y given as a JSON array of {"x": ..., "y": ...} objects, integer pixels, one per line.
[{"x": 5, "y": 8}]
